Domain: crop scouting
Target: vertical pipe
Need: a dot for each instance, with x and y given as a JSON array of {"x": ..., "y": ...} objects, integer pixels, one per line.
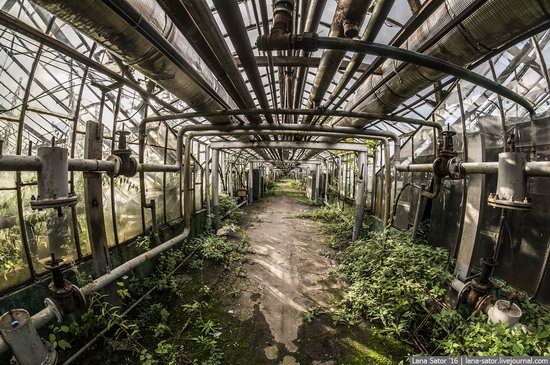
[
  {"x": 165, "y": 160},
  {"x": 326, "y": 185},
  {"x": 112, "y": 192},
  {"x": 20, "y": 333},
  {"x": 340, "y": 178},
  {"x": 360, "y": 195},
  {"x": 500, "y": 108},
  {"x": 215, "y": 189},
  {"x": 230, "y": 178}
]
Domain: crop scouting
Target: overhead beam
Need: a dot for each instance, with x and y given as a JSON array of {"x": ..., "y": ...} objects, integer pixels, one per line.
[{"x": 298, "y": 61}]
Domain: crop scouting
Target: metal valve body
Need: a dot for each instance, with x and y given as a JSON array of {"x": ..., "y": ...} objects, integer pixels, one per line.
[{"x": 53, "y": 177}]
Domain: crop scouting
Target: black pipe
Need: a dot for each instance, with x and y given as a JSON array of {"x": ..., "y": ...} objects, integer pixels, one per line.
[{"x": 311, "y": 42}]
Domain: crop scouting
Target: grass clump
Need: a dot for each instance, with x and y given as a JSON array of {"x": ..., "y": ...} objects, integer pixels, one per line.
[
  {"x": 294, "y": 185},
  {"x": 221, "y": 250},
  {"x": 337, "y": 222},
  {"x": 391, "y": 281}
]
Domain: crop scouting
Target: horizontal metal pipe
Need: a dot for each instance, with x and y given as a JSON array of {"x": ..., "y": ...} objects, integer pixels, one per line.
[
  {"x": 19, "y": 163},
  {"x": 126, "y": 267},
  {"x": 291, "y": 145},
  {"x": 91, "y": 165},
  {"x": 150, "y": 167},
  {"x": 313, "y": 162},
  {"x": 533, "y": 168},
  {"x": 33, "y": 163},
  {"x": 46, "y": 315},
  {"x": 336, "y": 113}
]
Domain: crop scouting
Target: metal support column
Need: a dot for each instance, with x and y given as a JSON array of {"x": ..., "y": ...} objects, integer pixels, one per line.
[
  {"x": 215, "y": 189},
  {"x": 360, "y": 195},
  {"x": 250, "y": 183},
  {"x": 207, "y": 180},
  {"x": 317, "y": 184},
  {"x": 93, "y": 201}
]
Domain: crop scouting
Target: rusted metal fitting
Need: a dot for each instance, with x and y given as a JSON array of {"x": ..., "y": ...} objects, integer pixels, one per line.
[
  {"x": 66, "y": 296},
  {"x": 128, "y": 165},
  {"x": 351, "y": 28},
  {"x": 477, "y": 290},
  {"x": 282, "y": 17}
]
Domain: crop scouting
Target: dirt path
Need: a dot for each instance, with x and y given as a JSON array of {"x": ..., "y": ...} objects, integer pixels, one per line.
[{"x": 291, "y": 290}]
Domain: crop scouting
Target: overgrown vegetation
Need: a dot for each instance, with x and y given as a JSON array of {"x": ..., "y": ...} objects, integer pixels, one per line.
[
  {"x": 295, "y": 185},
  {"x": 399, "y": 284},
  {"x": 391, "y": 281},
  {"x": 229, "y": 207},
  {"x": 337, "y": 222},
  {"x": 477, "y": 336},
  {"x": 173, "y": 325}
]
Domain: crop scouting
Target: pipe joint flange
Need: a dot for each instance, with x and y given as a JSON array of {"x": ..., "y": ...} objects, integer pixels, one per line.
[
  {"x": 308, "y": 42},
  {"x": 117, "y": 164},
  {"x": 52, "y": 305},
  {"x": 51, "y": 358},
  {"x": 454, "y": 166}
]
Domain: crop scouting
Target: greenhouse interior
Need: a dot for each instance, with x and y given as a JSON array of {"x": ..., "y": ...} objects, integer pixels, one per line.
[{"x": 286, "y": 182}]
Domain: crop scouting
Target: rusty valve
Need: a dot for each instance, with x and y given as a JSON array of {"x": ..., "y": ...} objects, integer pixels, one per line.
[
  {"x": 125, "y": 164},
  {"x": 66, "y": 296}
]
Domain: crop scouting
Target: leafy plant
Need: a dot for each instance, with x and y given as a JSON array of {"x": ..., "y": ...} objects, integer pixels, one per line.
[
  {"x": 295, "y": 185},
  {"x": 337, "y": 222},
  {"x": 311, "y": 313},
  {"x": 220, "y": 249},
  {"x": 230, "y": 204},
  {"x": 391, "y": 280}
]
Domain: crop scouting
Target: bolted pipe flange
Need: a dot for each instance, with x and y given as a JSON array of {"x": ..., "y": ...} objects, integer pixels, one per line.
[
  {"x": 454, "y": 168},
  {"x": 117, "y": 163},
  {"x": 309, "y": 42}
]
